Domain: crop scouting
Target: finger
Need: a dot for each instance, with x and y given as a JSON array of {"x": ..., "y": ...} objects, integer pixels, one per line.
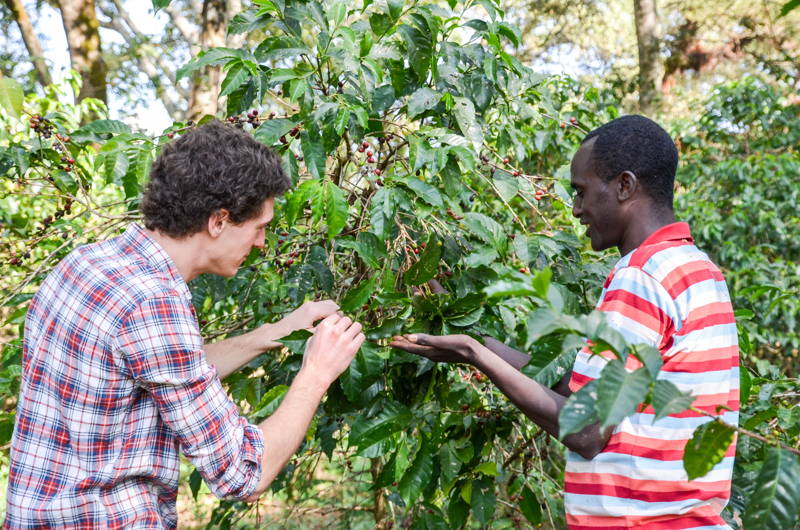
[
  {"x": 422, "y": 351},
  {"x": 328, "y": 305},
  {"x": 344, "y": 323},
  {"x": 329, "y": 321},
  {"x": 353, "y": 330}
]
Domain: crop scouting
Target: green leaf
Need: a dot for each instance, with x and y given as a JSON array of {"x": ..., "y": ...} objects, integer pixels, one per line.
[
  {"x": 314, "y": 154},
  {"x": 214, "y": 56},
  {"x": 160, "y": 4},
  {"x": 552, "y": 358},
  {"x": 650, "y": 358},
  {"x": 342, "y": 119},
  {"x": 707, "y": 448},
  {"x": 425, "y": 191},
  {"x": 337, "y": 13},
  {"x": 789, "y": 6},
  {"x": 11, "y": 96},
  {"x": 483, "y": 500},
  {"x": 487, "y": 468},
  {"x": 486, "y": 229},
  {"x": 361, "y": 373},
  {"x": 105, "y": 127},
  {"x": 668, "y": 399},
  {"x": 506, "y": 185},
  {"x": 296, "y": 341},
  {"x": 417, "y": 477},
  {"x": 297, "y": 198},
  {"x": 579, "y": 410},
  {"x": 421, "y": 100},
  {"x": 457, "y": 509},
  {"x": 465, "y": 320},
  {"x": 247, "y": 21},
  {"x": 530, "y": 506},
  {"x": 270, "y": 401},
  {"x": 619, "y": 392},
  {"x": 541, "y": 282},
  {"x": 464, "y": 111},
  {"x": 237, "y": 75},
  {"x": 420, "y": 48},
  {"x": 336, "y": 208},
  {"x": 508, "y": 288},
  {"x": 427, "y": 265},
  {"x": 270, "y": 131},
  {"x": 369, "y": 430},
  {"x": 775, "y": 501},
  {"x": 355, "y": 298},
  {"x": 195, "y": 481},
  {"x": 745, "y": 383}
]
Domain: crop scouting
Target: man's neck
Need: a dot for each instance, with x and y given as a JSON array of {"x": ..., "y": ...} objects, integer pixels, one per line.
[
  {"x": 185, "y": 253},
  {"x": 641, "y": 228}
]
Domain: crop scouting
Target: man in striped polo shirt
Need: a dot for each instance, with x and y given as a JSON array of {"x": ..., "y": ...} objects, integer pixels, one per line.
[{"x": 663, "y": 292}]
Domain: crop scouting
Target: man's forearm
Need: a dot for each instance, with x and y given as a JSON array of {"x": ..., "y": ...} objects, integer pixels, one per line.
[
  {"x": 231, "y": 354},
  {"x": 515, "y": 358},
  {"x": 284, "y": 430},
  {"x": 539, "y": 403}
]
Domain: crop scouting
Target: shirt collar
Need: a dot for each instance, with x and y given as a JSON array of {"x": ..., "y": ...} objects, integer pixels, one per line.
[
  {"x": 136, "y": 240},
  {"x": 670, "y": 232}
]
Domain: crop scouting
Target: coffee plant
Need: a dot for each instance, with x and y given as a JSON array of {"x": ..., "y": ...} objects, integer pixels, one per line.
[{"x": 420, "y": 148}]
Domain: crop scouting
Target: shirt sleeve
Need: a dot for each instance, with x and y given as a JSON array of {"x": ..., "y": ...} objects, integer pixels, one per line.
[
  {"x": 161, "y": 349},
  {"x": 641, "y": 309}
]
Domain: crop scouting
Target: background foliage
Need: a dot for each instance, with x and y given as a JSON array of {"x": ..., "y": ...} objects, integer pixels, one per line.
[{"x": 421, "y": 148}]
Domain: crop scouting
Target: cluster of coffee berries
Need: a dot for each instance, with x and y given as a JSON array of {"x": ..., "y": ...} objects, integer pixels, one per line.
[
  {"x": 68, "y": 162},
  {"x": 474, "y": 374},
  {"x": 293, "y": 132},
  {"x": 293, "y": 255},
  {"x": 41, "y": 126},
  {"x": 413, "y": 248},
  {"x": 16, "y": 258},
  {"x": 66, "y": 159}
]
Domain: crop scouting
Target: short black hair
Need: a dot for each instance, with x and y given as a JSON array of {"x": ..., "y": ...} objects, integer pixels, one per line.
[
  {"x": 212, "y": 167},
  {"x": 639, "y": 145}
]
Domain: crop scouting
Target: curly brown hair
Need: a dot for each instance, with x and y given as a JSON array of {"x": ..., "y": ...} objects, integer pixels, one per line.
[{"x": 210, "y": 168}]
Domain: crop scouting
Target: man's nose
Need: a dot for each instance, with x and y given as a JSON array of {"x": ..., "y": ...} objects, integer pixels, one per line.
[
  {"x": 577, "y": 210},
  {"x": 261, "y": 241}
]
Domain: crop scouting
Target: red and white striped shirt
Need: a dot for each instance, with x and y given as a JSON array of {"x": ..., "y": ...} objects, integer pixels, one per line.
[{"x": 668, "y": 294}]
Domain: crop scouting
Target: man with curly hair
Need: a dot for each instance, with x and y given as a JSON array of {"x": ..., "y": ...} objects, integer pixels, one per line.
[{"x": 117, "y": 381}]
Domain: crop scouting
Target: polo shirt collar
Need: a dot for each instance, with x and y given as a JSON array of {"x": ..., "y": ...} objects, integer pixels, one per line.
[
  {"x": 137, "y": 240},
  {"x": 670, "y": 232}
]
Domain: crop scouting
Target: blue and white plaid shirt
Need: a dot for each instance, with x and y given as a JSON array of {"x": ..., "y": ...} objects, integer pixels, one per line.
[{"x": 115, "y": 382}]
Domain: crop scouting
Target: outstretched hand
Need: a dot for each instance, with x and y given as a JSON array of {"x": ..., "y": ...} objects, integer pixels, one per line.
[{"x": 440, "y": 349}]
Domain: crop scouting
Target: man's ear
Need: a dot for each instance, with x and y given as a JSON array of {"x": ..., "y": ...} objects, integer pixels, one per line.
[
  {"x": 217, "y": 221},
  {"x": 626, "y": 186}
]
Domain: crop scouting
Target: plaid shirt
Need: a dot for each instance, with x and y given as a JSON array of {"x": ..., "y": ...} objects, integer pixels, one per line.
[{"x": 115, "y": 381}]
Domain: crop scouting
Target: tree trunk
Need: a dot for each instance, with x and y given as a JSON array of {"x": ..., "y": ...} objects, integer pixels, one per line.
[
  {"x": 206, "y": 85},
  {"x": 646, "y": 19},
  {"x": 83, "y": 37},
  {"x": 32, "y": 43}
]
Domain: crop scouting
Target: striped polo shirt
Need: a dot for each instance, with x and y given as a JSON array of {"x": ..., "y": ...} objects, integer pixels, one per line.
[{"x": 668, "y": 294}]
